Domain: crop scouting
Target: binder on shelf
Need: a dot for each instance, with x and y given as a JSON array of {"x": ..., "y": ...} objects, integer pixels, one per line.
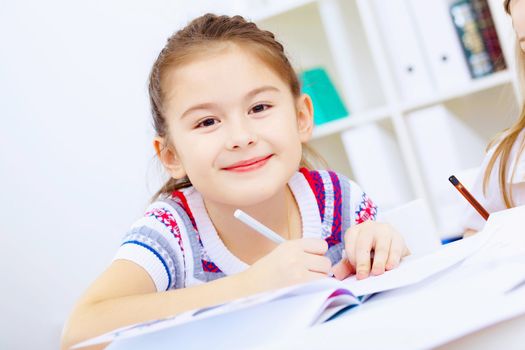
[
  {"x": 471, "y": 39},
  {"x": 375, "y": 159},
  {"x": 440, "y": 44},
  {"x": 489, "y": 34},
  {"x": 327, "y": 103},
  {"x": 403, "y": 49}
]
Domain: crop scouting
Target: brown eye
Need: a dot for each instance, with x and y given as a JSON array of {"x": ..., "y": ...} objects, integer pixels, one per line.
[
  {"x": 207, "y": 122},
  {"x": 259, "y": 108}
]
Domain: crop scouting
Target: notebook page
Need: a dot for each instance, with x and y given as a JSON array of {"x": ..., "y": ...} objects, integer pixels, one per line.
[
  {"x": 413, "y": 270},
  {"x": 327, "y": 285},
  {"x": 234, "y": 330}
]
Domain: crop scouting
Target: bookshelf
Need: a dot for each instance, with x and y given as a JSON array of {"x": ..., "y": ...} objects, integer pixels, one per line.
[{"x": 406, "y": 119}]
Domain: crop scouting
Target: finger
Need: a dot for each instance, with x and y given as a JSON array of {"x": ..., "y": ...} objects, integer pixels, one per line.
[
  {"x": 350, "y": 242},
  {"x": 314, "y": 245},
  {"x": 381, "y": 252},
  {"x": 363, "y": 247},
  {"x": 397, "y": 249},
  {"x": 316, "y": 263},
  {"x": 343, "y": 269}
]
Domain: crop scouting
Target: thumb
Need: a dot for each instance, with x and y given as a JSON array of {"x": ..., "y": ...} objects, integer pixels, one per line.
[{"x": 343, "y": 269}]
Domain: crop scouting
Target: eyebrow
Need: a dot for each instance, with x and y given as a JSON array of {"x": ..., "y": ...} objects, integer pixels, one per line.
[{"x": 211, "y": 105}]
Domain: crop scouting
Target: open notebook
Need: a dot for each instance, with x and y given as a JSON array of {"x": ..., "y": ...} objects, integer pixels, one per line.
[{"x": 311, "y": 303}]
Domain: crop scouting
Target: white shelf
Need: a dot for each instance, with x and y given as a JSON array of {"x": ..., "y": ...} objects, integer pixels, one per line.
[
  {"x": 350, "y": 121},
  {"x": 338, "y": 125},
  {"x": 476, "y": 85}
]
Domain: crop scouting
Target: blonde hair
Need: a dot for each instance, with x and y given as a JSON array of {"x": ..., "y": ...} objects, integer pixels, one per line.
[
  {"x": 507, "y": 138},
  {"x": 199, "y": 37}
]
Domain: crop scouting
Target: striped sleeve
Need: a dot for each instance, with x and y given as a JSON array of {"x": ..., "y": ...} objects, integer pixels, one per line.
[{"x": 154, "y": 242}]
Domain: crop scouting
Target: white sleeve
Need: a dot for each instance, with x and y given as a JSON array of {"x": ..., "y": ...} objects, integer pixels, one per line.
[{"x": 152, "y": 243}]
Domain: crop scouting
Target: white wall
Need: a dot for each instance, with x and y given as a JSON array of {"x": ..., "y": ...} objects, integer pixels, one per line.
[{"x": 76, "y": 160}]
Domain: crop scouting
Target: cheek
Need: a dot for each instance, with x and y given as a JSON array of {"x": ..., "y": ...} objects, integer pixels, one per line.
[
  {"x": 195, "y": 152},
  {"x": 290, "y": 141},
  {"x": 199, "y": 154},
  {"x": 519, "y": 28},
  {"x": 287, "y": 124},
  {"x": 518, "y": 19},
  {"x": 287, "y": 134},
  {"x": 284, "y": 134}
]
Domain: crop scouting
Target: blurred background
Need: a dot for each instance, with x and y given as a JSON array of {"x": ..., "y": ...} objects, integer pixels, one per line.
[{"x": 402, "y": 99}]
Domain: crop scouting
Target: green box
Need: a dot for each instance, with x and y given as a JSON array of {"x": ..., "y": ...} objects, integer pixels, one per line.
[{"x": 327, "y": 103}]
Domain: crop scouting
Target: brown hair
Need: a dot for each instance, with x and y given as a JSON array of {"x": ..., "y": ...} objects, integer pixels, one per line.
[
  {"x": 200, "y": 36},
  {"x": 506, "y": 139}
]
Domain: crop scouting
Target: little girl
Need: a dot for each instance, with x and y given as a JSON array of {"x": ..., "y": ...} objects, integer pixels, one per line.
[
  {"x": 501, "y": 182},
  {"x": 231, "y": 125}
]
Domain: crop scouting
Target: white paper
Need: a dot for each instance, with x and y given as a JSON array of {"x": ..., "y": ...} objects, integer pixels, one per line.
[
  {"x": 324, "y": 286},
  {"x": 235, "y": 330},
  {"x": 422, "y": 316},
  {"x": 508, "y": 242},
  {"x": 419, "y": 268}
]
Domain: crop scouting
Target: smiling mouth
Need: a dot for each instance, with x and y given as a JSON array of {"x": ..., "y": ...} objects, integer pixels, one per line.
[{"x": 249, "y": 165}]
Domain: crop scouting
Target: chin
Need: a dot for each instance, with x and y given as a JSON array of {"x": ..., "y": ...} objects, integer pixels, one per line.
[
  {"x": 252, "y": 198},
  {"x": 253, "y": 194}
]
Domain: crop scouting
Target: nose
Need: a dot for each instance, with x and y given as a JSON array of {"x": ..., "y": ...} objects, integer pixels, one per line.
[{"x": 240, "y": 135}]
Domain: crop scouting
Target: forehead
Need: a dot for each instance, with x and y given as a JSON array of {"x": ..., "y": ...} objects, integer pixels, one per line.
[{"x": 230, "y": 70}]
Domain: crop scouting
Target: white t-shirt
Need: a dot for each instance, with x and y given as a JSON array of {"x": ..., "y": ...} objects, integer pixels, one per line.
[{"x": 492, "y": 200}]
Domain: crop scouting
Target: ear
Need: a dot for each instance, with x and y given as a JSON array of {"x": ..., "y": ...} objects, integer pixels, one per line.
[
  {"x": 169, "y": 158},
  {"x": 305, "y": 117}
]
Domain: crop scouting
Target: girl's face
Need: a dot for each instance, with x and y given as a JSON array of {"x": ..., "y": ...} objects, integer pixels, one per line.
[
  {"x": 517, "y": 12},
  {"x": 235, "y": 128}
]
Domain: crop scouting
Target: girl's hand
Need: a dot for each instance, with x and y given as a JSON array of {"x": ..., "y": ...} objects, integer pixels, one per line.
[
  {"x": 291, "y": 262},
  {"x": 387, "y": 245}
]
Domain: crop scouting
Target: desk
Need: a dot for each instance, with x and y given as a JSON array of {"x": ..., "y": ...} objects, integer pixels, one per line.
[{"x": 508, "y": 335}]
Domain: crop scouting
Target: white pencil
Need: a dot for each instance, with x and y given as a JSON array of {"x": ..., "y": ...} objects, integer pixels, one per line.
[{"x": 257, "y": 226}]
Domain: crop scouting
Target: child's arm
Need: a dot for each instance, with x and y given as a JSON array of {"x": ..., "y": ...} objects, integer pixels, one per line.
[{"x": 125, "y": 294}]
